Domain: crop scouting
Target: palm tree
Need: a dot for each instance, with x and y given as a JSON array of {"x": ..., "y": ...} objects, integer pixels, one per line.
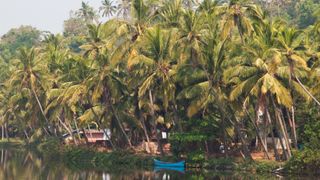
[
  {"x": 170, "y": 13},
  {"x": 290, "y": 41},
  {"x": 189, "y": 3},
  {"x": 208, "y": 6},
  {"x": 95, "y": 43},
  {"x": 191, "y": 30},
  {"x": 204, "y": 89},
  {"x": 30, "y": 75},
  {"x": 87, "y": 13},
  {"x": 258, "y": 77},
  {"x": 55, "y": 53},
  {"x": 124, "y": 8},
  {"x": 108, "y": 8},
  {"x": 154, "y": 52},
  {"x": 238, "y": 15}
]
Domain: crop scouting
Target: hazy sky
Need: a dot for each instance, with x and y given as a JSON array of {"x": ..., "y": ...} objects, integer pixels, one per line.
[{"x": 42, "y": 14}]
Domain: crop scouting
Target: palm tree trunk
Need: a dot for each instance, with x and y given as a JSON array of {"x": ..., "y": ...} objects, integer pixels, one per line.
[
  {"x": 224, "y": 134},
  {"x": 90, "y": 130},
  {"x": 256, "y": 128},
  {"x": 276, "y": 153},
  {"x": 236, "y": 124},
  {"x": 155, "y": 123},
  {"x": 121, "y": 126},
  {"x": 108, "y": 104},
  {"x": 283, "y": 133},
  {"x": 139, "y": 114},
  {"x": 2, "y": 132},
  {"x": 145, "y": 133},
  {"x": 68, "y": 130},
  {"x": 244, "y": 145},
  {"x": 284, "y": 151},
  {"x": 285, "y": 128},
  {"x": 307, "y": 91},
  {"x": 176, "y": 117},
  {"x": 293, "y": 127},
  {"x": 26, "y": 134},
  {"x": 76, "y": 125},
  {"x": 6, "y": 130},
  {"x": 85, "y": 136},
  {"x": 245, "y": 149},
  {"x": 41, "y": 108}
]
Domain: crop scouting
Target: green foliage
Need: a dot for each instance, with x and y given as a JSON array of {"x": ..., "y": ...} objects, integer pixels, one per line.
[
  {"x": 309, "y": 130},
  {"x": 81, "y": 158},
  {"x": 196, "y": 157},
  {"x": 306, "y": 11},
  {"x": 24, "y": 36},
  {"x": 182, "y": 143},
  {"x": 304, "y": 162},
  {"x": 312, "y": 135},
  {"x": 267, "y": 166},
  {"x": 204, "y": 69}
]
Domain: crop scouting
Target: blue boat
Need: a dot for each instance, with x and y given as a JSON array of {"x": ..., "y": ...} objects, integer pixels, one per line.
[{"x": 169, "y": 164}]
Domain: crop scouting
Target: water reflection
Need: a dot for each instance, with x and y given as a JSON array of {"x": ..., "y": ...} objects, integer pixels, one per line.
[{"x": 25, "y": 165}]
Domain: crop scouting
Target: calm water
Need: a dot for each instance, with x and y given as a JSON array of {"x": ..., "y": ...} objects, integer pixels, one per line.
[{"x": 25, "y": 165}]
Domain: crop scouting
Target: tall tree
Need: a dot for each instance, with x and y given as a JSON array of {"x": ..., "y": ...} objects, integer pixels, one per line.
[{"x": 108, "y": 8}]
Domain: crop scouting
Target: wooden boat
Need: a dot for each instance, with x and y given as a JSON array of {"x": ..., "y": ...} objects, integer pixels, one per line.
[{"x": 169, "y": 164}]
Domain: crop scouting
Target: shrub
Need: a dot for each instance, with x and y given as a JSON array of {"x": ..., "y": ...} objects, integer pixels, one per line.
[{"x": 304, "y": 162}]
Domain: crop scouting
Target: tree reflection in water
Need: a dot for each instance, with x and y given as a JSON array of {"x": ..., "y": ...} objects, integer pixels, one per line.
[{"x": 26, "y": 165}]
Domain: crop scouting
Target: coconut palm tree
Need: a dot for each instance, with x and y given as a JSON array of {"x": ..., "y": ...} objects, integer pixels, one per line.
[
  {"x": 291, "y": 45},
  {"x": 31, "y": 76},
  {"x": 124, "y": 9},
  {"x": 204, "y": 89},
  {"x": 290, "y": 41},
  {"x": 87, "y": 13},
  {"x": 154, "y": 52},
  {"x": 239, "y": 14},
  {"x": 191, "y": 30},
  {"x": 170, "y": 13},
  {"x": 208, "y": 6},
  {"x": 108, "y": 8}
]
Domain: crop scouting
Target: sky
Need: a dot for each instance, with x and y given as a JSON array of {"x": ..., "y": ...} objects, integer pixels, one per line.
[{"x": 45, "y": 15}]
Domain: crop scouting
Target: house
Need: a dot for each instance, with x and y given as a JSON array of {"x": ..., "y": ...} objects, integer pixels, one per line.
[{"x": 93, "y": 135}]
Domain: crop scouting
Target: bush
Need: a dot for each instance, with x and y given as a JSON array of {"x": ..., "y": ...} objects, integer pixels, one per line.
[
  {"x": 267, "y": 166},
  {"x": 81, "y": 158},
  {"x": 197, "y": 157},
  {"x": 304, "y": 162},
  {"x": 183, "y": 143}
]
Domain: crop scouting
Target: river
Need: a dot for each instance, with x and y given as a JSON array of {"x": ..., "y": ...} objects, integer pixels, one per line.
[{"x": 18, "y": 164}]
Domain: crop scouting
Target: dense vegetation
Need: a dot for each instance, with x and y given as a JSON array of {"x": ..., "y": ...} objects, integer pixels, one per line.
[{"x": 208, "y": 71}]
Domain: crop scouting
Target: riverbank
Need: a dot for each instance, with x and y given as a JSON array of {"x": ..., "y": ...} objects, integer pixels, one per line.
[
  {"x": 92, "y": 159},
  {"x": 82, "y": 157}
]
